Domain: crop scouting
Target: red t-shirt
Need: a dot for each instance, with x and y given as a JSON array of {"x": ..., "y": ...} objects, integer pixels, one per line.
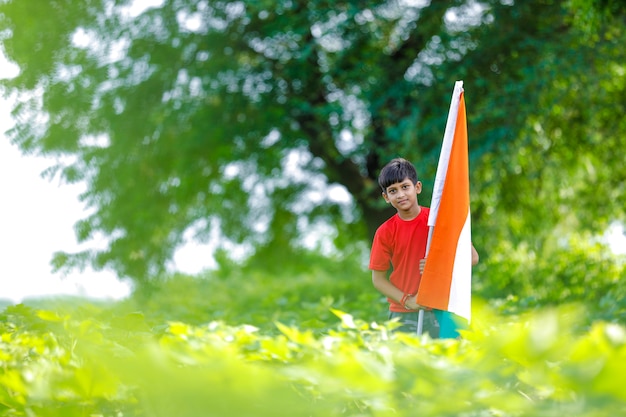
[{"x": 400, "y": 245}]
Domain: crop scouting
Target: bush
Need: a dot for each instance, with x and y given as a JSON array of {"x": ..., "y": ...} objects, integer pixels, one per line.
[
  {"x": 533, "y": 365},
  {"x": 581, "y": 271},
  {"x": 243, "y": 295}
]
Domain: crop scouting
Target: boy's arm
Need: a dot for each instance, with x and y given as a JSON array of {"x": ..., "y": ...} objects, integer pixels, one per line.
[
  {"x": 474, "y": 256},
  {"x": 385, "y": 287}
]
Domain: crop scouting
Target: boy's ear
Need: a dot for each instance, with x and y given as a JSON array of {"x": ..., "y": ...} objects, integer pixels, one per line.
[
  {"x": 384, "y": 194},
  {"x": 418, "y": 187}
]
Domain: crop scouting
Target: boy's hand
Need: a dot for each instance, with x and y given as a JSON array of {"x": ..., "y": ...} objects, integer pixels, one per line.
[
  {"x": 411, "y": 304},
  {"x": 422, "y": 265}
]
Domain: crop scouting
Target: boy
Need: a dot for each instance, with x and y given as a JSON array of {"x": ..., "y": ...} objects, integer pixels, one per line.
[{"x": 400, "y": 242}]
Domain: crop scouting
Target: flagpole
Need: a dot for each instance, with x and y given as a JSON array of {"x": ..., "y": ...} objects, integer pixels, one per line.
[
  {"x": 420, "y": 312},
  {"x": 420, "y": 321}
]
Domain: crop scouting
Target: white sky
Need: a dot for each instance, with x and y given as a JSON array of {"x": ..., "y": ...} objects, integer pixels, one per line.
[
  {"x": 36, "y": 221},
  {"x": 37, "y": 218}
]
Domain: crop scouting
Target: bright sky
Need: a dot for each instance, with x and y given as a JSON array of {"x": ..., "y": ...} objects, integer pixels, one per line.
[{"x": 37, "y": 219}]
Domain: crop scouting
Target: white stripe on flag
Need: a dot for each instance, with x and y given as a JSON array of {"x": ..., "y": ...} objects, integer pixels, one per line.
[{"x": 460, "y": 300}]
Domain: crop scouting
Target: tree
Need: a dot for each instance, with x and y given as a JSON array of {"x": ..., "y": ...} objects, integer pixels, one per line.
[{"x": 242, "y": 117}]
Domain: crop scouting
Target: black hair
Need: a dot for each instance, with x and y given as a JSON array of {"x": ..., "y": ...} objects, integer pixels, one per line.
[{"x": 395, "y": 171}]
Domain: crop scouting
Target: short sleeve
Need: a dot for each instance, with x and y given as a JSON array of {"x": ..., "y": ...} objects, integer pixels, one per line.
[{"x": 380, "y": 255}]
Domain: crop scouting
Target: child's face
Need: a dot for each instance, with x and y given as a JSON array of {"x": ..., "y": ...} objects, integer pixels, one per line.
[{"x": 403, "y": 195}]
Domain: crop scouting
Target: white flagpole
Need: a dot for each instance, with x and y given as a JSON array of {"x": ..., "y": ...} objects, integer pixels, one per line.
[{"x": 440, "y": 177}]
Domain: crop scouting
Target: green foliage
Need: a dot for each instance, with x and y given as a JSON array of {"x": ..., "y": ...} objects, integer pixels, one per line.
[
  {"x": 300, "y": 293},
  {"x": 314, "y": 343},
  {"x": 540, "y": 363},
  {"x": 596, "y": 16},
  {"x": 577, "y": 269},
  {"x": 235, "y": 294},
  {"x": 179, "y": 130},
  {"x": 235, "y": 118}
]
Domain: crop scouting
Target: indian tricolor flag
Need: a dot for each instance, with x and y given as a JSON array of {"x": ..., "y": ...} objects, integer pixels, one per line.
[{"x": 446, "y": 281}]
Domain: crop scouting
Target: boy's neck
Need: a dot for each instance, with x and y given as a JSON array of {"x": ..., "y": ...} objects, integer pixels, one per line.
[{"x": 410, "y": 214}]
